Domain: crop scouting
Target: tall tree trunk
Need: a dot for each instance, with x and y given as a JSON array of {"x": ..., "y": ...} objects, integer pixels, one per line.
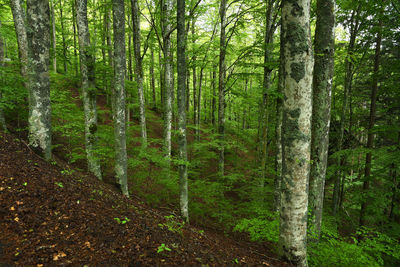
[
  {"x": 214, "y": 96},
  {"x": 296, "y": 129},
  {"x": 2, "y": 119},
  {"x": 268, "y": 40},
  {"x": 194, "y": 58},
  {"x": 130, "y": 68},
  {"x": 370, "y": 141},
  {"x": 181, "y": 94},
  {"x": 168, "y": 79},
  {"x": 152, "y": 77},
  {"x": 74, "y": 28},
  {"x": 354, "y": 24},
  {"x": 199, "y": 105},
  {"x": 322, "y": 90},
  {"x": 88, "y": 89},
  {"x": 65, "y": 59},
  {"x": 221, "y": 88},
  {"x": 121, "y": 160},
  {"x": 139, "y": 69},
  {"x": 53, "y": 24},
  {"x": 38, "y": 33},
  {"x": 19, "y": 24}
]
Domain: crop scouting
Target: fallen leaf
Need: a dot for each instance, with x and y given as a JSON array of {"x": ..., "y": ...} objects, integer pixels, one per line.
[
  {"x": 16, "y": 219},
  {"x": 39, "y": 265},
  {"x": 19, "y": 202},
  {"x": 58, "y": 256},
  {"x": 12, "y": 208},
  {"x": 87, "y": 244}
]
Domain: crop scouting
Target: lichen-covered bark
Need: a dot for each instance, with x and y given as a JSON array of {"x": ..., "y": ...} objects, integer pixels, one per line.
[
  {"x": 168, "y": 79},
  {"x": 296, "y": 129},
  {"x": 221, "y": 88},
  {"x": 181, "y": 61},
  {"x": 119, "y": 95},
  {"x": 322, "y": 90},
  {"x": 38, "y": 13},
  {"x": 88, "y": 88},
  {"x": 139, "y": 69}
]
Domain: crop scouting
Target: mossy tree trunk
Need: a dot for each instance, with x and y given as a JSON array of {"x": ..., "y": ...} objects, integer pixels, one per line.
[
  {"x": 322, "y": 90},
  {"x": 296, "y": 129},
  {"x": 121, "y": 160},
  {"x": 182, "y": 70},
  {"x": 38, "y": 33},
  {"x": 88, "y": 88}
]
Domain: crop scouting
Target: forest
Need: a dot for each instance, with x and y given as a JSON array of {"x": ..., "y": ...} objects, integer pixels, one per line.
[{"x": 270, "y": 128}]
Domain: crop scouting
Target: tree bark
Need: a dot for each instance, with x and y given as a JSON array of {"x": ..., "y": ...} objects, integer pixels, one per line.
[
  {"x": 168, "y": 79},
  {"x": 38, "y": 14},
  {"x": 64, "y": 43},
  {"x": 181, "y": 94},
  {"x": 53, "y": 24},
  {"x": 214, "y": 96},
  {"x": 296, "y": 129},
  {"x": 152, "y": 77},
  {"x": 139, "y": 69},
  {"x": 322, "y": 91},
  {"x": 221, "y": 88},
  {"x": 365, "y": 201},
  {"x": 74, "y": 28},
  {"x": 88, "y": 89},
  {"x": 2, "y": 119},
  {"x": 121, "y": 160}
]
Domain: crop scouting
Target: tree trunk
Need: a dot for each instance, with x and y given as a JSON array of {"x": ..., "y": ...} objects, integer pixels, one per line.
[
  {"x": 199, "y": 105},
  {"x": 221, "y": 88},
  {"x": 139, "y": 69},
  {"x": 63, "y": 39},
  {"x": 88, "y": 89},
  {"x": 168, "y": 79},
  {"x": 53, "y": 24},
  {"x": 2, "y": 119},
  {"x": 38, "y": 14},
  {"x": 296, "y": 129},
  {"x": 214, "y": 96},
  {"x": 75, "y": 46},
  {"x": 194, "y": 58},
  {"x": 121, "y": 160},
  {"x": 322, "y": 90},
  {"x": 130, "y": 68},
  {"x": 365, "y": 201},
  {"x": 152, "y": 77},
  {"x": 181, "y": 94}
]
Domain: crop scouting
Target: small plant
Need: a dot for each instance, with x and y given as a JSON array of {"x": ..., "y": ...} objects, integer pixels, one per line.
[
  {"x": 163, "y": 248},
  {"x": 59, "y": 184},
  {"x": 25, "y": 184},
  {"x": 122, "y": 221},
  {"x": 172, "y": 224}
]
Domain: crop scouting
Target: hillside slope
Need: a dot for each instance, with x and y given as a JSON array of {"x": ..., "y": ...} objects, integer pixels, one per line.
[{"x": 50, "y": 216}]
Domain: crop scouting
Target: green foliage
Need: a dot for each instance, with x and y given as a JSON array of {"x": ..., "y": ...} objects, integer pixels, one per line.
[
  {"x": 172, "y": 224},
  {"x": 122, "y": 221},
  {"x": 59, "y": 184},
  {"x": 265, "y": 227},
  {"x": 163, "y": 248}
]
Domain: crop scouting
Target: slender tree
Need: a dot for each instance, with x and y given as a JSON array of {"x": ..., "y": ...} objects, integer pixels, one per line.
[
  {"x": 121, "y": 160},
  {"x": 2, "y": 119},
  {"x": 88, "y": 88},
  {"x": 296, "y": 129},
  {"x": 38, "y": 33},
  {"x": 53, "y": 24},
  {"x": 322, "y": 88},
  {"x": 181, "y": 94},
  {"x": 139, "y": 69},
  {"x": 372, "y": 117},
  {"x": 221, "y": 88}
]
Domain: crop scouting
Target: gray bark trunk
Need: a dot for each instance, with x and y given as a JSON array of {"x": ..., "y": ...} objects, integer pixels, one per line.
[
  {"x": 221, "y": 88},
  {"x": 53, "y": 24},
  {"x": 88, "y": 89},
  {"x": 181, "y": 95},
  {"x": 168, "y": 80},
  {"x": 119, "y": 93},
  {"x": 139, "y": 69},
  {"x": 214, "y": 96},
  {"x": 38, "y": 34},
  {"x": 322, "y": 91},
  {"x": 75, "y": 46},
  {"x": 63, "y": 39},
  {"x": 296, "y": 129},
  {"x": 152, "y": 77}
]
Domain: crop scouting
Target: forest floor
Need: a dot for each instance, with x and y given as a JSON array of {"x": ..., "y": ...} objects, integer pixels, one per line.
[{"x": 50, "y": 216}]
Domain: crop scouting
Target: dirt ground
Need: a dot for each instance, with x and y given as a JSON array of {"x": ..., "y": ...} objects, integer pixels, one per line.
[{"x": 50, "y": 216}]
